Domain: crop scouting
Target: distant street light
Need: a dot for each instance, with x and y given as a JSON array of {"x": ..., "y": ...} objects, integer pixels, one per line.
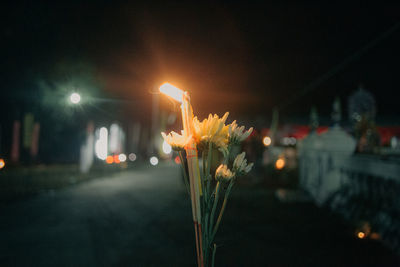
[{"x": 75, "y": 98}]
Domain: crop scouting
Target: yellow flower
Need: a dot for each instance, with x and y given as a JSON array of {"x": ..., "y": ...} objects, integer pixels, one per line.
[
  {"x": 212, "y": 129},
  {"x": 176, "y": 141},
  {"x": 223, "y": 173},
  {"x": 240, "y": 165},
  {"x": 238, "y": 134}
]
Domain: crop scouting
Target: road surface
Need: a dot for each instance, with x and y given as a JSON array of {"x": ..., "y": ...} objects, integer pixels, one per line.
[
  {"x": 142, "y": 217},
  {"x": 129, "y": 219}
]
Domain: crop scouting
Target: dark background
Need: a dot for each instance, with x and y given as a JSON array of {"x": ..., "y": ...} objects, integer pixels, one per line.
[{"x": 244, "y": 57}]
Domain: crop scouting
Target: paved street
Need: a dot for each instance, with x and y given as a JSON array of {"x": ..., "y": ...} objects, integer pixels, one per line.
[
  {"x": 110, "y": 221},
  {"x": 143, "y": 218}
]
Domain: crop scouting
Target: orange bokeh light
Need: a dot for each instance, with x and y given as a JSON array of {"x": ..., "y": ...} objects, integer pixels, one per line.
[
  {"x": 267, "y": 141},
  {"x": 116, "y": 159},
  {"x": 2, "y": 163},
  {"x": 177, "y": 160},
  {"x": 361, "y": 235},
  {"x": 109, "y": 159},
  {"x": 279, "y": 164}
]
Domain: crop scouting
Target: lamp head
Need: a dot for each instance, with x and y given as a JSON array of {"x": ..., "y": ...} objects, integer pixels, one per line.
[{"x": 172, "y": 91}]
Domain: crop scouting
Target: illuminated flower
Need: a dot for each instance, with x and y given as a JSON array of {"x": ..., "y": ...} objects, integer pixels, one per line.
[
  {"x": 238, "y": 134},
  {"x": 175, "y": 140},
  {"x": 223, "y": 173},
  {"x": 240, "y": 165},
  {"x": 212, "y": 129}
]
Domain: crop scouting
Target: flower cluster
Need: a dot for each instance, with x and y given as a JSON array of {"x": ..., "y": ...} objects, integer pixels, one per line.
[
  {"x": 240, "y": 167},
  {"x": 223, "y": 173},
  {"x": 238, "y": 134},
  {"x": 176, "y": 141},
  {"x": 212, "y": 129},
  {"x": 210, "y": 135}
]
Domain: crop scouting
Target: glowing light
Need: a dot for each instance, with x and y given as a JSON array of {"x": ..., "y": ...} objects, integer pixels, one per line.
[
  {"x": 361, "y": 235},
  {"x": 177, "y": 160},
  {"x": 167, "y": 149},
  {"x": 116, "y": 159},
  {"x": 267, "y": 141},
  {"x": 132, "y": 157},
  {"x": 375, "y": 236},
  {"x": 116, "y": 139},
  {"x": 109, "y": 159},
  {"x": 122, "y": 157},
  {"x": 75, "y": 98},
  {"x": 154, "y": 161},
  {"x": 287, "y": 141},
  {"x": 172, "y": 91},
  {"x": 101, "y": 144},
  {"x": 2, "y": 163},
  {"x": 279, "y": 164}
]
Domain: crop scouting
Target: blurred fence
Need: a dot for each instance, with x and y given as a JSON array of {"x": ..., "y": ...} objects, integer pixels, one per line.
[
  {"x": 359, "y": 187},
  {"x": 370, "y": 191}
]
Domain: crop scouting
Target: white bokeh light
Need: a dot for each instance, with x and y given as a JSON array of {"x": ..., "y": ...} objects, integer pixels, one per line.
[
  {"x": 132, "y": 156},
  {"x": 154, "y": 161},
  {"x": 167, "y": 149},
  {"x": 75, "y": 98},
  {"x": 122, "y": 157},
  {"x": 101, "y": 144}
]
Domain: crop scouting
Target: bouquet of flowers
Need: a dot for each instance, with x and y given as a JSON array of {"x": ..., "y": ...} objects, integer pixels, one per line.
[{"x": 214, "y": 162}]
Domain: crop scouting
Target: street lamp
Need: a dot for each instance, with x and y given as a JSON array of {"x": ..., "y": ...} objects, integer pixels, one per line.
[
  {"x": 75, "y": 98},
  {"x": 191, "y": 155}
]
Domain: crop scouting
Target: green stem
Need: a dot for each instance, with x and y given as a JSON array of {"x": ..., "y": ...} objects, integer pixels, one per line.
[
  {"x": 209, "y": 159},
  {"x": 213, "y": 255},
  {"x": 206, "y": 238},
  {"x": 228, "y": 191},
  {"x": 217, "y": 187},
  {"x": 205, "y": 177},
  {"x": 185, "y": 177},
  {"x": 226, "y": 159}
]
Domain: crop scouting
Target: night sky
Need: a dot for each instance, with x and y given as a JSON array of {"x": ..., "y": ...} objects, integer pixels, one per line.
[{"x": 242, "y": 57}]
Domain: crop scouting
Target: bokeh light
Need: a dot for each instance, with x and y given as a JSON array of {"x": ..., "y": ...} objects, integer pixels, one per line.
[
  {"x": 109, "y": 159},
  {"x": 75, "y": 98},
  {"x": 122, "y": 157},
  {"x": 132, "y": 157},
  {"x": 167, "y": 149},
  {"x": 2, "y": 163},
  {"x": 101, "y": 145},
  {"x": 361, "y": 235},
  {"x": 267, "y": 141},
  {"x": 280, "y": 163},
  {"x": 154, "y": 161}
]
